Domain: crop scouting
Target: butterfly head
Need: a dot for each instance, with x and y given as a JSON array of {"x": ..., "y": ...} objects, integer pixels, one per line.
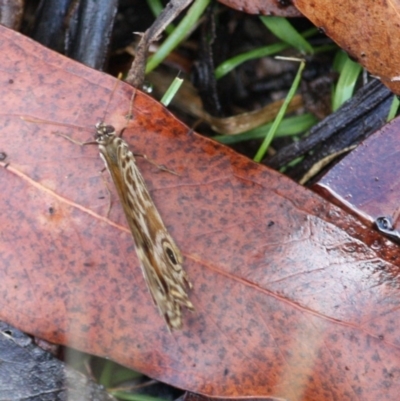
[{"x": 104, "y": 132}]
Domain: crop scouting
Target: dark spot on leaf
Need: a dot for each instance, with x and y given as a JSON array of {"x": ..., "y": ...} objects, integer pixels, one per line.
[{"x": 88, "y": 264}]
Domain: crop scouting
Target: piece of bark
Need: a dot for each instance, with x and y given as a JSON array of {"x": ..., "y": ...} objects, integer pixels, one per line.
[
  {"x": 11, "y": 12},
  {"x": 136, "y": 73},
  {"x": 49, "y": 24},
  {"x": 89, "y": 32},
  {"x": 358, "y": 118},
  {"x": 29, "y": 373}
]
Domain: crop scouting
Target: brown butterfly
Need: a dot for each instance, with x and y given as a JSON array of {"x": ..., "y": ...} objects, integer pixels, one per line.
[{"x": 159, "y": 257}]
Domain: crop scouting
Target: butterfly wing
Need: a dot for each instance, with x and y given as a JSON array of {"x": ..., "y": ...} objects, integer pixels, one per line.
[{"x": 160, "y": 258}]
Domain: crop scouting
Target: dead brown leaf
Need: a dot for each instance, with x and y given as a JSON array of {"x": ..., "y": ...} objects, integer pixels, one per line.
[
  {"x": 366, "y": 182},
  {"x": 367, "y": 30},
  {"x": 282, "y": 8}
]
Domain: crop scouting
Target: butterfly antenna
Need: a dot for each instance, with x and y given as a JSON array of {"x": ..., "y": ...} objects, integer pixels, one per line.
[{"x": 119, "y": 78}]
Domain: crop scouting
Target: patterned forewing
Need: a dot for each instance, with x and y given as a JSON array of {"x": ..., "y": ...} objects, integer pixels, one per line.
[{"x": 160, "y": 259}]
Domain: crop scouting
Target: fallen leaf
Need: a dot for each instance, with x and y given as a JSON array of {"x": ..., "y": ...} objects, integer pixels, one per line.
[
  {"x": 367, "y": 30},
  {"x": 294, "y": 297},
  {"x": 282, "y": 8},
  {"x": 366, "y": 182}
]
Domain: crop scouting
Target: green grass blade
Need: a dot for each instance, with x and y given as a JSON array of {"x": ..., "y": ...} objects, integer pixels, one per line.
[
  {"x": 122, "y": 395},
  {"x": 230, "y": 64},
  {"x": 349, "y": 72},
  {"x": 179, "y": 34},
  {"x": 285, "y": 31},
  {"x": 171, "y": 91},
  {"x": 268, "y": 139},
  {"x": 290, "y": 126},
  {"x": 394, "y": 108}
]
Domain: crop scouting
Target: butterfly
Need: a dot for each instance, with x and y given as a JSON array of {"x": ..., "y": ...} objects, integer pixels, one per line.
[{"x": 159, "y": 257}]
